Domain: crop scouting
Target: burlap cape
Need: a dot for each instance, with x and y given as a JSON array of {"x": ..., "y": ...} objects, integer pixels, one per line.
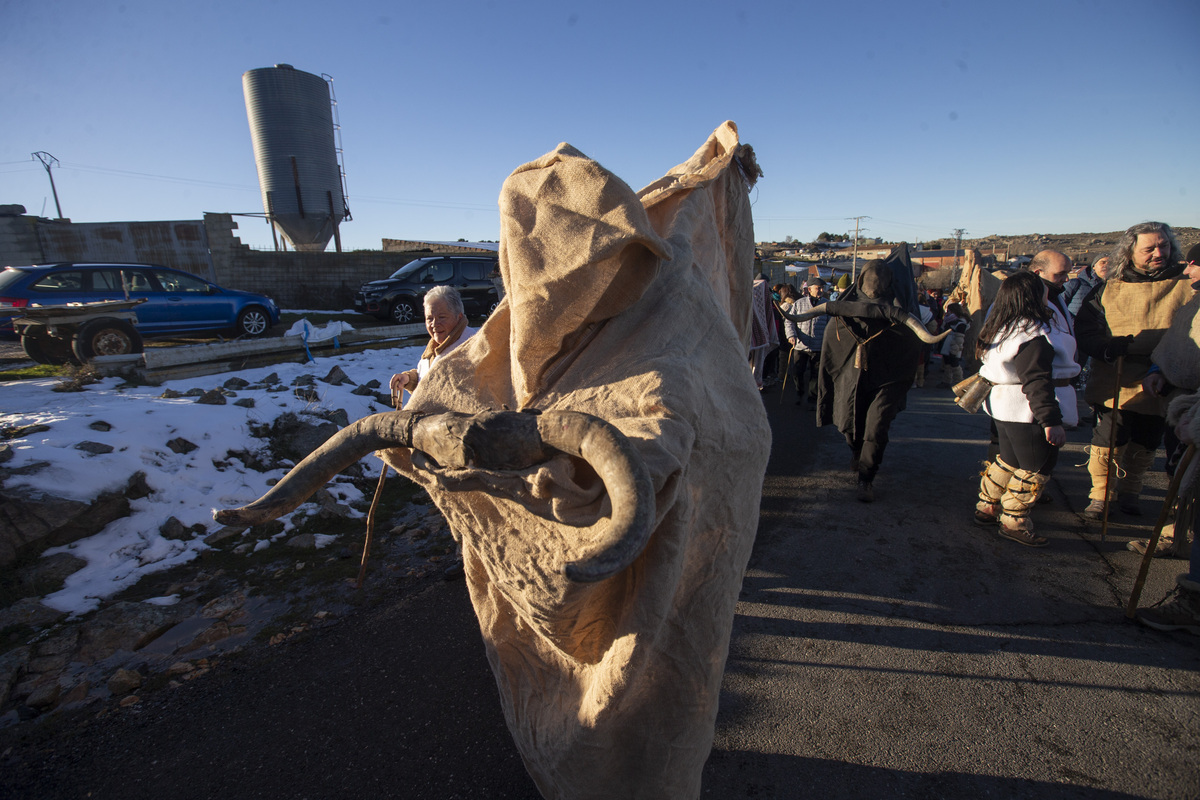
[{"x": 634, "y": 308}]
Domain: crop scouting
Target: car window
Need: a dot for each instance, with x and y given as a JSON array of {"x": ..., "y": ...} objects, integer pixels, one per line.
[
  {"x": 437, "y": 272},
  {"x": 109, "y": 280},
  {"x": 10, "y": 276},
  {"x": 106, "y": 280},
  {"x": 178, "y": 282},
  {"x": 475, "y": 270},
  {"x": 71, "y": 281}
]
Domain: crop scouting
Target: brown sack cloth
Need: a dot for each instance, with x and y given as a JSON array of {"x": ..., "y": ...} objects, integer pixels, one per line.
[{"x": 634, "y": 308}]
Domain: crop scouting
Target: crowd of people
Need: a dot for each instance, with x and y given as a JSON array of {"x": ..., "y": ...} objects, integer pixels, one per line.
[{"x": 1129, "y": 318}]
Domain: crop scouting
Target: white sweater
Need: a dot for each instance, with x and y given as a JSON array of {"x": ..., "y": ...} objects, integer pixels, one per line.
[{"x": 1007, "y": 401}]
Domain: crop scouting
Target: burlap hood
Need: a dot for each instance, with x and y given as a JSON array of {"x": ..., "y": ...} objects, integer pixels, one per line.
[{"x": 634, "y": 308}]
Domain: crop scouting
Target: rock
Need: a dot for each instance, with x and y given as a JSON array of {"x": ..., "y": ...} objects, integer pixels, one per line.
[
  {"x": 334, "y": 512},
  {"x": 137, "y": 488},
  {"x": 34, "y": 521},
  {"x": 47, "y": 574},
  {"x": 76, "y": 694},
  {"x": 338, "y": 417},
  {"x": 268, "y": 529},
  {"x": 337, "y": 377},
  {"x": 213, "y": 633},
  {"x": 223, "y": 606},
  {"x": 180, "y": 668},
  {"x": 6, "y": 453},
  {"x": 222, "y": 535},
  {"x": 12, "y": 667},
  {"x": 94, "y": 448},
  {"x": 364, "y": 390},
  {"x": 372, "y": 384},
  {"x": 194, "y": 392},
  {"x": 234, "y": 384},
  {"x": 183, "y": 446},
  {"x": 305, "y": 541},
  {"x": 294, "y": 439},
  {"x": 45, "y": 696},
  {"x": 307, "y": 394},
  {"x": 132, "y": 700},
  {"x": 48, "y": 664},
  {"x": 214, "y": 397},
  {"x": 100, "y": 425},
  {"x": 175, "y": 530},
  {"x": 125, "y": 626},
  {"x": 30, "y": 612},
  {"x": 304, "y": 380},
  {"x": 124, "y": 681},
  {"x": 270, "y": 380},
  {"x": 245, "y": 402},
  {"x": 64, "y": 643},
  {"x": 170, "y": 394}
]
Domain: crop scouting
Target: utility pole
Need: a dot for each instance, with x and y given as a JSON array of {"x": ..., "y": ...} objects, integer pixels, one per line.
[
  {"x": 48, "y": 161},
  {"x": 958, "y": 234},
  {"x": 854, "y": 257}
]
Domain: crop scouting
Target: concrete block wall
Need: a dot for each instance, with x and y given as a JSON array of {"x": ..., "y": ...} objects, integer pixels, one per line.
[{"x": 208, "y": 248}]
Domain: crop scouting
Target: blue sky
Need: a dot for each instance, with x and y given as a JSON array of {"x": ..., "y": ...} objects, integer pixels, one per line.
[{"x": 1007, "y": 118}]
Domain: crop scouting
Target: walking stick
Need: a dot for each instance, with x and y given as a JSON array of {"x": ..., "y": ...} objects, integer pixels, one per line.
[
  {"x": 398, "y": 402},
  {"x": 783, "y": 390},
  {"x": 1112, "y": 445},
  {"x": 1172, "y": 491}
]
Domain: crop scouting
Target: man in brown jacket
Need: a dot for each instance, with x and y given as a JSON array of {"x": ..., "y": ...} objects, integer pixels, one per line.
[{"x": 1118, "y": 325}]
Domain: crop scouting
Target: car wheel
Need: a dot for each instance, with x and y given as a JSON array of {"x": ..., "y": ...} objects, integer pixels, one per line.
[
  {"x": 106, "y": 337},
  {"x": 45, "y": 349},
  {"x": 404, "y": 312},
  {"x": 253, "y": 322}
]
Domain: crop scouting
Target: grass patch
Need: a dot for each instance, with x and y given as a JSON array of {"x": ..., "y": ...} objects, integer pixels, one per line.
[
  {"x": 30, "y": 372},
  {"x": 319, "y": 318}
]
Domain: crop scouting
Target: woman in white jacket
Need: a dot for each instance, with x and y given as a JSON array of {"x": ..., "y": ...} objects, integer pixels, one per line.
[{"x": 1028, "y": 354}]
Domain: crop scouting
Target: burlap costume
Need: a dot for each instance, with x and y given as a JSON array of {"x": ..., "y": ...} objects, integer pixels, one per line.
[
  {"x": 1144, "y": 311},
  {"x": 634, "y": 308},
  {"x": 976, "y": 291}
]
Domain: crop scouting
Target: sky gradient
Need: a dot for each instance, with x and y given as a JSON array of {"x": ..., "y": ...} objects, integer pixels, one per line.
[{"x": 1011, "y": 118}]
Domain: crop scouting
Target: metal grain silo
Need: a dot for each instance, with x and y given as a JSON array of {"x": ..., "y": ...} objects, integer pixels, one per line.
[{"x": 295, "y": 149}]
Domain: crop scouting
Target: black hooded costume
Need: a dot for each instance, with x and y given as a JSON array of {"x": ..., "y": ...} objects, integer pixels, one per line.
[{"x": 869, "y": 359}]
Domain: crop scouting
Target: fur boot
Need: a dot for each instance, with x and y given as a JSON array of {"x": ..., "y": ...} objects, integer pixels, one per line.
[
  {"x": 993, "y": 482},
  {"x": 1020, "y": 496}
]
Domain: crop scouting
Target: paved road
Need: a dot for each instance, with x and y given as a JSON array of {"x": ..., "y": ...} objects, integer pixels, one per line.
[{"x": 884, "y": 650}]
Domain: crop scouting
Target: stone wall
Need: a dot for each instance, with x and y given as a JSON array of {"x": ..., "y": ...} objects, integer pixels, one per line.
[{"x": 209, "y": 248}]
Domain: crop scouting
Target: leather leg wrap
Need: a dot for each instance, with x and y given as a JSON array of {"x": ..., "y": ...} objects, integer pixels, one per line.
[
  {"x": 1098, "y": 469},
  {"x": 994, "y": 480},
  {"x": 1024, "y": 489},
  {"x": 1135, "y": 462}
]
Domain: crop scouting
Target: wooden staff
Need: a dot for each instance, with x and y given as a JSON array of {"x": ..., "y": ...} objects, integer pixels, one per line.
[
  {"x": 398, "y": 402},
  {"x": 783, "y": 390},
  {"x": 1172, "y": 492},
  {"x": 1112, "y": 446}
]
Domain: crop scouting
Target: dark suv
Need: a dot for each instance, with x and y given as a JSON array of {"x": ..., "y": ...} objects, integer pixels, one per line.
[{"x": 400, "y": 298}]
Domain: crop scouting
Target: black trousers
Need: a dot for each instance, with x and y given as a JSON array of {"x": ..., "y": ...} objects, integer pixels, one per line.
[
  {"x": 1144, "y": 429},
  {"x": 1023, "y": 445}
]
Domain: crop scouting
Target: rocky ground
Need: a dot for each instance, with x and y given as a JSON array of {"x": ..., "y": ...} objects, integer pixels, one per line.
[{"x": 229, "y": 599}]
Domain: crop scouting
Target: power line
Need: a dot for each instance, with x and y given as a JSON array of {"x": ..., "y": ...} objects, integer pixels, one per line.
[{"x": 47, "y": 162}]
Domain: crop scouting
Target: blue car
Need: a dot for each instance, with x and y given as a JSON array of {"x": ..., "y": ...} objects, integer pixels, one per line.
[{"x": 175, "y": 303}]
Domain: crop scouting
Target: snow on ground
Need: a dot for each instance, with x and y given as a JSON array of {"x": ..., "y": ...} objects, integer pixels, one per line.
[{"x": 187, "y": 486}]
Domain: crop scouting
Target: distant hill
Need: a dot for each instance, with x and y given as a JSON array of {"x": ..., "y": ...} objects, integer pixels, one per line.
[{"x": 1082, "y": 247}]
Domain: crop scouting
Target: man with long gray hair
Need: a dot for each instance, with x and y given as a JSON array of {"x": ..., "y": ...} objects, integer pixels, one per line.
[{"x": 1118, "y": 326}]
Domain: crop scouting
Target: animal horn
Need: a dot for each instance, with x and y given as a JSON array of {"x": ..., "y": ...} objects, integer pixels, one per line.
[
  {"x": 492, "y": 440},
  {"x": 377, "y": 432},
  {"x": 922, "y": 333},
  {"x": 626, "y": 478},
  {"x": 805, "y": 317}
]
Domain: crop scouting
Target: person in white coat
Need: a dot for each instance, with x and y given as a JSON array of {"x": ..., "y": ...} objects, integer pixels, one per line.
[{"x": 1028, "y": 354}]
